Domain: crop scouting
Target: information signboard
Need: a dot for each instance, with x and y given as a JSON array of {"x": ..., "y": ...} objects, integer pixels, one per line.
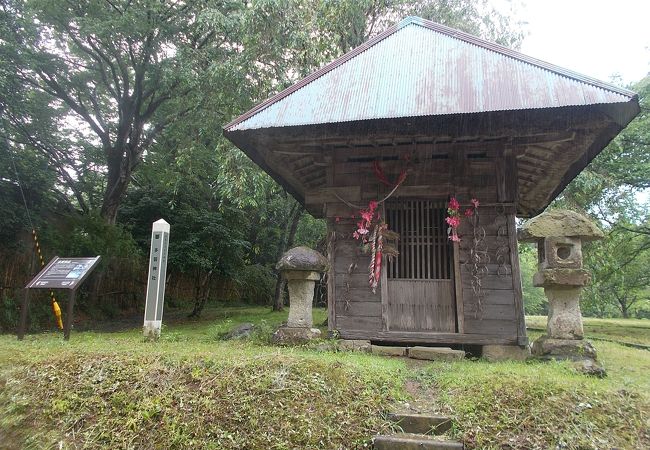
[
  {"x": 63, "y": 273},
  {"x": 60, "y": 273}
]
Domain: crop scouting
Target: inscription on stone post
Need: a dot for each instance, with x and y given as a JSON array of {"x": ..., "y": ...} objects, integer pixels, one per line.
[{"x": 153, "y": 309}]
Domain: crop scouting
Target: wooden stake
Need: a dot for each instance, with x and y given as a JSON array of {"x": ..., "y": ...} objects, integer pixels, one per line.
[{"x": 68, "y": 320}]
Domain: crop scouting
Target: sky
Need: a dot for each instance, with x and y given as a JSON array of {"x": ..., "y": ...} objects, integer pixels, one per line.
[{"x": 596, "y": 38}]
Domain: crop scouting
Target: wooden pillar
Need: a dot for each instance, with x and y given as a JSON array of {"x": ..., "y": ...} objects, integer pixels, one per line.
[
  {"x": 507, "y": 192},
  {"x": 331, "y": 275},
  {"x": 69, "y": 315}
]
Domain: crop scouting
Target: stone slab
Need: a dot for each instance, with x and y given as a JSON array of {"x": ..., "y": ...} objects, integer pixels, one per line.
[
  {"x": 407, "y": 441},
  {"x": 436, "y": 353},
  {"x": 301, "y": 275},
  {"x": 241, "y": 331},
  {"x": 302, "y": 258},
  {"x": 559, "y": 223},
  {"x": 571, "y": 278},
  {"x": 356, "y": 345},
  {"x": 421, "y": 423},
  {"x": 388, "y": 351},
  {"x": 294, "y": 336},
  {"x": 591, "y": 367},
  {"x": 573, "y": 349},
  {"x": 495, "y": 353}
]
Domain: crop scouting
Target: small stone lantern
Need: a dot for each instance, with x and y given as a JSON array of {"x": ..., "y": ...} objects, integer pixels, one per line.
[
  {"x": 559, "y": 235},
  {"x": 301, "y": 267}
]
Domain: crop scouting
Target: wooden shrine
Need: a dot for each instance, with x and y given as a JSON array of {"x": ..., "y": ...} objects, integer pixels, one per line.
[{"x": 418, "y": 115}]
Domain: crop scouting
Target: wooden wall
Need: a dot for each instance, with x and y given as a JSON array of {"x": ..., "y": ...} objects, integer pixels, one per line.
[{"x": 491, "y": 313}]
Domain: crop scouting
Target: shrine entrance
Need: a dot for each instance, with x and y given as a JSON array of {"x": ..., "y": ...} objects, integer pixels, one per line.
[{"x": 420, "y": 285}]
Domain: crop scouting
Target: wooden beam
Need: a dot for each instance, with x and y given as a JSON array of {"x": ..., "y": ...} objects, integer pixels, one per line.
[
  {"x": 331, "y": 277},
  {"x": 516, "y": 277},
  {"x": 298, "y": 164},
  {"x": 385, "y": 319},
  {"x": 458, "y": 290},
  {"x": 543, "y": 138},
  {"x": 287, "y": 150},
  {"x": 351, "y": 194},
  {"x": 430, "y": 338}
]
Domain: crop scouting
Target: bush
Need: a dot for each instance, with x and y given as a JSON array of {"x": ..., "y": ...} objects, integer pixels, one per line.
[{"x": 256, "y": 284}]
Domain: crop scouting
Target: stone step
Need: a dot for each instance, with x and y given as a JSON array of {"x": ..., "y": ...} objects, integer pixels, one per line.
[
  {"x": 407, "y": 441},
  {"x": 385, "y": 350},
  {"x": 436, "y": 353},
  {"x": 421, "y": 423},
  {"x": 428, "y": 353}
]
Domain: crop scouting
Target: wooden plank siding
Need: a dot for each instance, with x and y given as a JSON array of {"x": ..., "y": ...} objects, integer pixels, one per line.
[
  {"x": 421, "y": 305},
  {"x": 360, "y": 314}
]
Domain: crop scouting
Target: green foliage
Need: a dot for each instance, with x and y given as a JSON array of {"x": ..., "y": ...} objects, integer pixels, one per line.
[
  {"x": 613, "y": 190},
  {"x": 619, "y": 267},
  {"x": 89, "y": 236},
  {"x": 23, "y": 173},
  {"x": 535, "y": 301},
  {"x": 255, "y": 284},
  {"x": 202, "y": 239},
  {"x": 633, "y": 331},
  {"x": 311, "y": 232}
]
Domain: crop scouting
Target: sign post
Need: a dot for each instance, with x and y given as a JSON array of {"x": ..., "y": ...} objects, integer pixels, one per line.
[
  {"x": 61, "y": 273},
  {"x": 153, "y": 309}
]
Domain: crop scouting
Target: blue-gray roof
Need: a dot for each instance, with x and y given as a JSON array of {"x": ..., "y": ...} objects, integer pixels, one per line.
[{"x": 419, "y": 68}]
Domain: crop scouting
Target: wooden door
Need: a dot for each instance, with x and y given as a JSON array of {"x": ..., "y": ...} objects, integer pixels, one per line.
[{"x": 420, "y": 288}]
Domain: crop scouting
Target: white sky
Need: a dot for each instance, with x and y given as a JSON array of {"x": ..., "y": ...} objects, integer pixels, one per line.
[{"x": 597, "y": 38}]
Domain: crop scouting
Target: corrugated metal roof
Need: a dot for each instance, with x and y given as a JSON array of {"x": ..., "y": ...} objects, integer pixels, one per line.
[{"x": 419, "y": 68}]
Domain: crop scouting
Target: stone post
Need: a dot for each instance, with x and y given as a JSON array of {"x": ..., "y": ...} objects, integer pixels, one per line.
[
  {"x": 559, "y": 235},
  {"x": 301, "y": 267}
]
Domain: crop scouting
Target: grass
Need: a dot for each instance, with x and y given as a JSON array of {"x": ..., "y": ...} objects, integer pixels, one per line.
[
  {"x": 635, "y": 331},
  {"x": 191, "y": 389}
]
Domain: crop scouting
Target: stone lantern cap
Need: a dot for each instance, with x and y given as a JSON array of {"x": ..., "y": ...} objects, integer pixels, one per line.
[
  {"x": 559, "y": 223},
  {"x": 302, "y": 259}
]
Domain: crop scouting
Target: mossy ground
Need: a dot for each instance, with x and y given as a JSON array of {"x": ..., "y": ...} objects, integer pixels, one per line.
[
  {"x": 634, "y": 331},
  {"x": 193, "y": 390}
]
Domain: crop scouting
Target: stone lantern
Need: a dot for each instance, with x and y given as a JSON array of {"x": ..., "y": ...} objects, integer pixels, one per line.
[
  {"x": 559, "y": 235},
  {"x": 301, "y": 267}
]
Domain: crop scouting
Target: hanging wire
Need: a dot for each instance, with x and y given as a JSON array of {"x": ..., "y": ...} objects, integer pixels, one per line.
[
  {"x": 56, "y": 309},
  {"x": 20, "y": 186}
]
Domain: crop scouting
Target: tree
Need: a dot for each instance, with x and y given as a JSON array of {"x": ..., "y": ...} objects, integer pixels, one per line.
[
  {"x": 293, "y": 218},
  {"x": 619, "y": 267},
  {"x": 113, "y": 71},
  {"x": 613, "y": 190},
  {"x": 535, "y": 301}
]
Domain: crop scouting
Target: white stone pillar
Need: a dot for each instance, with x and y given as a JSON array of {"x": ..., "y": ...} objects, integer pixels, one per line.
[{"x": 153, "y": 309}]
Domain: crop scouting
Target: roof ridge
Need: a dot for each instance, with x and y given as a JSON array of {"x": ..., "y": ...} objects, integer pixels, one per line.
[{"x": 439, "y": 28}]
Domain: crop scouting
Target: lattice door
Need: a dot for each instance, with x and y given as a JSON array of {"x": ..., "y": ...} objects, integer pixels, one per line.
[{"x": 420, "y": 288}]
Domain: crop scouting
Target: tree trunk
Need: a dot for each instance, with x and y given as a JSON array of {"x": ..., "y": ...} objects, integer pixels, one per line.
[
  {"x": 625, "y": 311},
  {"x": 202, "y": 292},
  {"x": 280, "y": 283},
  {"x": 117, "y": 181},
  {"x": 278, "y": 295}
]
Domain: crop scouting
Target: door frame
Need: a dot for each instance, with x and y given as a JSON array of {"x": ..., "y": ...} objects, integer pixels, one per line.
[{"x": 457, "y": 296}]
